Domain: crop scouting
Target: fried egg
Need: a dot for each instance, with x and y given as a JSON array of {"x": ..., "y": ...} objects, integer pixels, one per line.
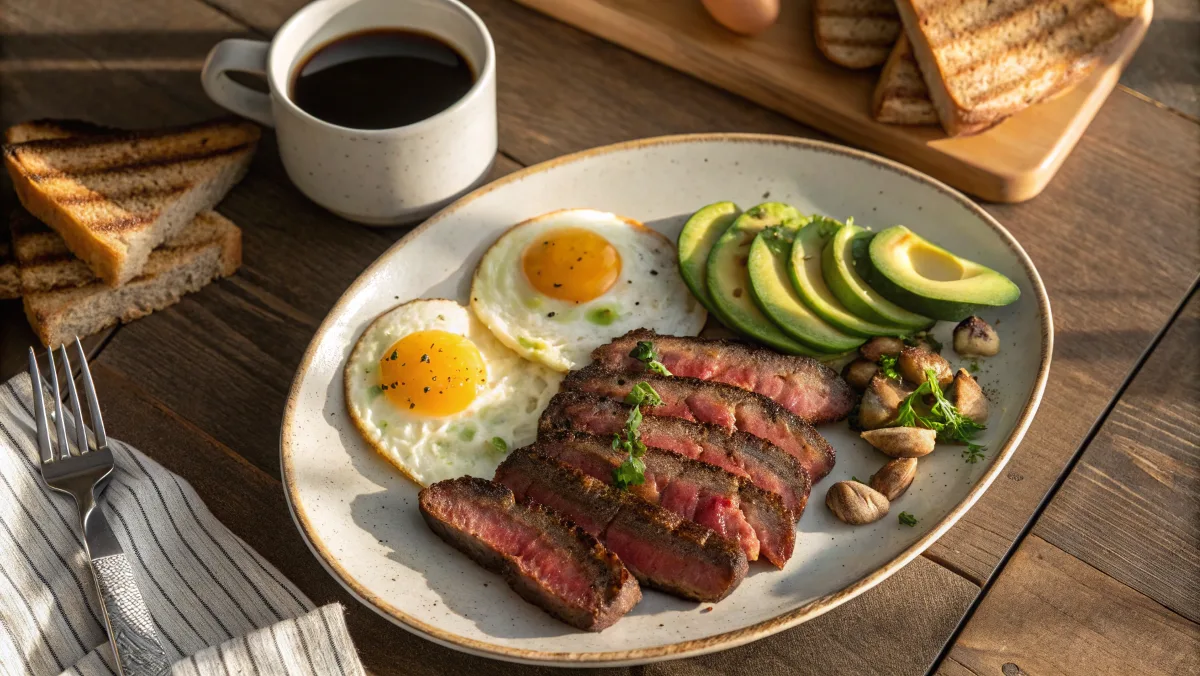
[
  {"x": 436, "y": 394},
  {"x": 557, "y": 286}
]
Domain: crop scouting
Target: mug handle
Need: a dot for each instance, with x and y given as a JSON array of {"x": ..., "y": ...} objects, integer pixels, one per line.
[{"x": 249, "y": 56}]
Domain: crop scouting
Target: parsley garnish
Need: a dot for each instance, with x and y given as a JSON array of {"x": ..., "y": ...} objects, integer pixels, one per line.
[
  {"x": 887, "y": 366},
  {"x": 944, "y": 418},
  {"x": 631, "y": 471},
  {"x": 642, "y": 393},
  {"x": 499, "y": 444},
  {"x": 907, "y": 519},
  {"x": 645, "y": 353}
]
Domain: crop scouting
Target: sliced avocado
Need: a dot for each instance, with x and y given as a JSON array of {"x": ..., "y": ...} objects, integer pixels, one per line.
[
  {"x": 777, "y": 298},
  {"x": 695, "y": 243},
  {"x": 804, "y": 266},
  {"x": 729, "y": 279},
  {"x": 922, "y": 277},
  {"x": 837, "y": 267}
]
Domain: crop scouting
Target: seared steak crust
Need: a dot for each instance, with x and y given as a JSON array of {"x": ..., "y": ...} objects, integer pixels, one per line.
[
  {"x": 703, "y": 493},
  {"x": 745, "y": 455},
  {"x": 660, "y": 547},
  {"x": 804, "y": 386},
  {"x": 718, "y": 404},
  {"x": 549, "y": 561}
]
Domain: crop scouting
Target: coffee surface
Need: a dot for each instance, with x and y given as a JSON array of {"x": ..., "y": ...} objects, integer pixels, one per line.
[{"x": 381, "y": 79}]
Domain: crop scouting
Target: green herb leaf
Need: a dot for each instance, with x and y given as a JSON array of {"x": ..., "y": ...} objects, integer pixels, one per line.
[
  {"x": 887, "y": 366},
  {"x": 944, "y": 418},
  {"x": 907, "y": 519},
  {"x": 973, "y": 453},
  {"x": 643, "y": 393},
  {"x": 854, "y": 478},
  {"x": 499, "y": 444},
  {"x": 631, "y": 472},
  {"x": 644, "y": 352}
]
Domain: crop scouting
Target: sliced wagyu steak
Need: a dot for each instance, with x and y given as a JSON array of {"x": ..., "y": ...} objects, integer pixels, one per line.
[
  {"x": 661, "y": 548},
  {"x": 804, "y": 386},
  {"x": 745, "y": 455},
  {"x": 549, "y": 561},
  {"x": 718, "y": 404}
]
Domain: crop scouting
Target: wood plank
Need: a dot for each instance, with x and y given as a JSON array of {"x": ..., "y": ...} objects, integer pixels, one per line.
[
  {"x": 919, "y": 605},
  {"x": 1167, "y": 66},
  {"x": 1052, "y": 613},
  {"x": 1131, "y": 507}
]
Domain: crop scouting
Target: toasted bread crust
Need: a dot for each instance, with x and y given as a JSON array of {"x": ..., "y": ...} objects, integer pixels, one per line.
[
  {"x": 115, "y": 196},
  {"x": 988, "y": 60},
  {"x": 855, "y": 33},
  {"x": 901, "y": 96}
]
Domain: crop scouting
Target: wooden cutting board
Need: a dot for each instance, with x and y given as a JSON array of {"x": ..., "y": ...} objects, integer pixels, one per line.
[{"x": 782, "y": 70}]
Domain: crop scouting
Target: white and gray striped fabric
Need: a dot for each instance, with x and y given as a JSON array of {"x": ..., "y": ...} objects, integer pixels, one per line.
[{"x": 220, "y": 608}]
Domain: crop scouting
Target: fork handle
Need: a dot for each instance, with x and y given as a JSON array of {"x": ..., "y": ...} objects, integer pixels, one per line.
[{"x": 130, "y": 626}]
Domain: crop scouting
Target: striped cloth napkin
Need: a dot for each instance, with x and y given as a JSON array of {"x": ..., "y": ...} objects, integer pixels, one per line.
[{"x": 220, "y": 608}]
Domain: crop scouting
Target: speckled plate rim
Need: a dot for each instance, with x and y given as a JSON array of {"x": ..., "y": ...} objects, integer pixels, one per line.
[{"x": 716, "y": 642}]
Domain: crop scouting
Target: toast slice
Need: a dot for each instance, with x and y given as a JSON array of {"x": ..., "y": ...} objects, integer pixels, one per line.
[
  {"x": 116, "y": 196},
  {"x": 855, "y": 33},
  {"x": 984, "y": 60},
  {"x": 901, "y": 96},
  {"x": 209, "y": 247}
]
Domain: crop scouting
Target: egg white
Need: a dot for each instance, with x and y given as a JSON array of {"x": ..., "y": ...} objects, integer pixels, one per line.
[
  {"x": 429, "y": 449},
  {"x": 562, "y": 334}
]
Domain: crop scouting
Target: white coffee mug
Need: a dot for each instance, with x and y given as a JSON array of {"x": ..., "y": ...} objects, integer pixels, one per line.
[{"x": 376, "y": 177}]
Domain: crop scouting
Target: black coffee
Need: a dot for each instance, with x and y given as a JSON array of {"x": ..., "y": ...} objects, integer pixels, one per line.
[{"x": 381, "y": 79}]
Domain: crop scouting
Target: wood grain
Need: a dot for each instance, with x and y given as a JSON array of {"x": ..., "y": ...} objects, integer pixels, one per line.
[
  {"x": 1052, "y": 613},
  {"x": 782, "y": 70},
  {"x": 1131, "y": 508}
]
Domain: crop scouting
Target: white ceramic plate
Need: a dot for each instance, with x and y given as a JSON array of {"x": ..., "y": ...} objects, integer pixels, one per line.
[{"x": 360, "y": 517}]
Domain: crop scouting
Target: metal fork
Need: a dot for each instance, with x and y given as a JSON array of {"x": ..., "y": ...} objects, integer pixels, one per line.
[{"x": 82, "y": 475}]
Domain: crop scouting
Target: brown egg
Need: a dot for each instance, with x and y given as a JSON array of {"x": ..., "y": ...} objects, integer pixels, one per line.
[{"x": 748, "y": 17}]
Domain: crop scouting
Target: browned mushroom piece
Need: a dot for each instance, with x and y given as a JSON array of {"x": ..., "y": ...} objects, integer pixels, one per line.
[
  {"x": 878, "y": 346},
  {"x": 968, "y": 397},
  {"x": 894, "y": 477},
  {"x": 902, "y": 442},
  {"x": 856, "y": 503},
  {"x": 859, "y": 373},
  {"x": 914, "y": 362},
  {"x": 881, "y": 402},
  {"x": 974, "y": 337}
]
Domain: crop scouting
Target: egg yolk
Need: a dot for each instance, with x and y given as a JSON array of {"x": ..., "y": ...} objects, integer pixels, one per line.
[
  {"x": 572, "y": 264},
  {"x": 433, "y": 373}
]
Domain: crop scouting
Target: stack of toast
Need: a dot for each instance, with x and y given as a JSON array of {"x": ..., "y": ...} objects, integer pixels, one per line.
[
  {"x": 114, "y": 225},
  {"x": 968, "y": 64}
]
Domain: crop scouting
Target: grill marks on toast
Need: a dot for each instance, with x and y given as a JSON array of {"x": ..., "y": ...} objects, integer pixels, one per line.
[
  {"x": 989, "y": 59},
  {"x": 114, "y": 196},
  {"x": 855, "y": 33},
  {"x": 901, "y": 96},
  {"x": 10, "y": 284}
]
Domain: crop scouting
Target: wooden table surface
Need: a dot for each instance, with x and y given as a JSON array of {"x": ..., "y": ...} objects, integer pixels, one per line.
[{"x": 1083, "y": 558}]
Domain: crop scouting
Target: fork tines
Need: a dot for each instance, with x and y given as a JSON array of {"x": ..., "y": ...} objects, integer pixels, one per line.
[{"x": 48, "y": 451}]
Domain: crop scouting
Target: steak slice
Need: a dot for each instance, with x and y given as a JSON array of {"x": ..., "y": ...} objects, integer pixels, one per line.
[
  {"x": 804, "y": 386},
  {"x": 718, "y": 404},
  {"x": 549, "y": 561},
  {"x": 661, "y": 548},
  {"x": 745, "y": 455},
  {"x": 697, "y": 491}
]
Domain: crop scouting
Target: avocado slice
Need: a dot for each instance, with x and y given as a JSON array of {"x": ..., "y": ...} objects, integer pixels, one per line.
[
  {"x": 695, "y": 243},
  {"x": 837, "y": 267},
  {"x": 729, "y": 279},
  {"x": 777, "y": 298},
  {"x": 804, "y": 266},
  {"x": 920, "y": 276}
]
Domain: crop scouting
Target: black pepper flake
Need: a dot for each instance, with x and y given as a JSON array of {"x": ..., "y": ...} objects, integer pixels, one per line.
[
  {"x": 550, "y": 314},
  {"x": 556, "y": 285},
  {"x": 424, "y": 359},
  {"x": 654, "y": 272},
  {"x": 412, "y": 406},
  {"x": 426, "y": 390},
  {"x": 433, "y": 378},
  {"x": 394, "y": 356},
  {"x": 578, "y": 260}
]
